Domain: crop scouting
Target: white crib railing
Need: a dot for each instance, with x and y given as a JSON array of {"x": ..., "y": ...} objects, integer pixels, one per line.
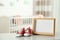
[{"x": 14, "y": 26}]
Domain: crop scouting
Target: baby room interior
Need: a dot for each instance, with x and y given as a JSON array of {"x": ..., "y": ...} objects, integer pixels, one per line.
[{"x": 29, "y": 20}]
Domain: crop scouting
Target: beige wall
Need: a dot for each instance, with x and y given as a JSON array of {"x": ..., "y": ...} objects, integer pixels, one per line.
[{"x": 4, "y": 24}]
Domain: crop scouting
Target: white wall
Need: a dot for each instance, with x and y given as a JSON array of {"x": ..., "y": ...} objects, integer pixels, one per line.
[
  {"x": 56, "y": 13},
  {"x": 21, "y": 7}
]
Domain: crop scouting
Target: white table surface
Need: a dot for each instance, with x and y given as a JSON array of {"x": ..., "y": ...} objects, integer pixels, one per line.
[{"x": 11, "y": 36}]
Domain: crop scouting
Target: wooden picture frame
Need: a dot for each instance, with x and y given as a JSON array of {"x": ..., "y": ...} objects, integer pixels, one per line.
[{"x": 44, "y": 26}]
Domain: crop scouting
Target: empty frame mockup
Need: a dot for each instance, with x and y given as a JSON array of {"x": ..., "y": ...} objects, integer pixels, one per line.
[{"x": 44, "y": 26}]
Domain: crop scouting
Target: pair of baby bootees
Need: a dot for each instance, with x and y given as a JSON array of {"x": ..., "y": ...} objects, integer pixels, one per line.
[{"x": 25, "y": 32}]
